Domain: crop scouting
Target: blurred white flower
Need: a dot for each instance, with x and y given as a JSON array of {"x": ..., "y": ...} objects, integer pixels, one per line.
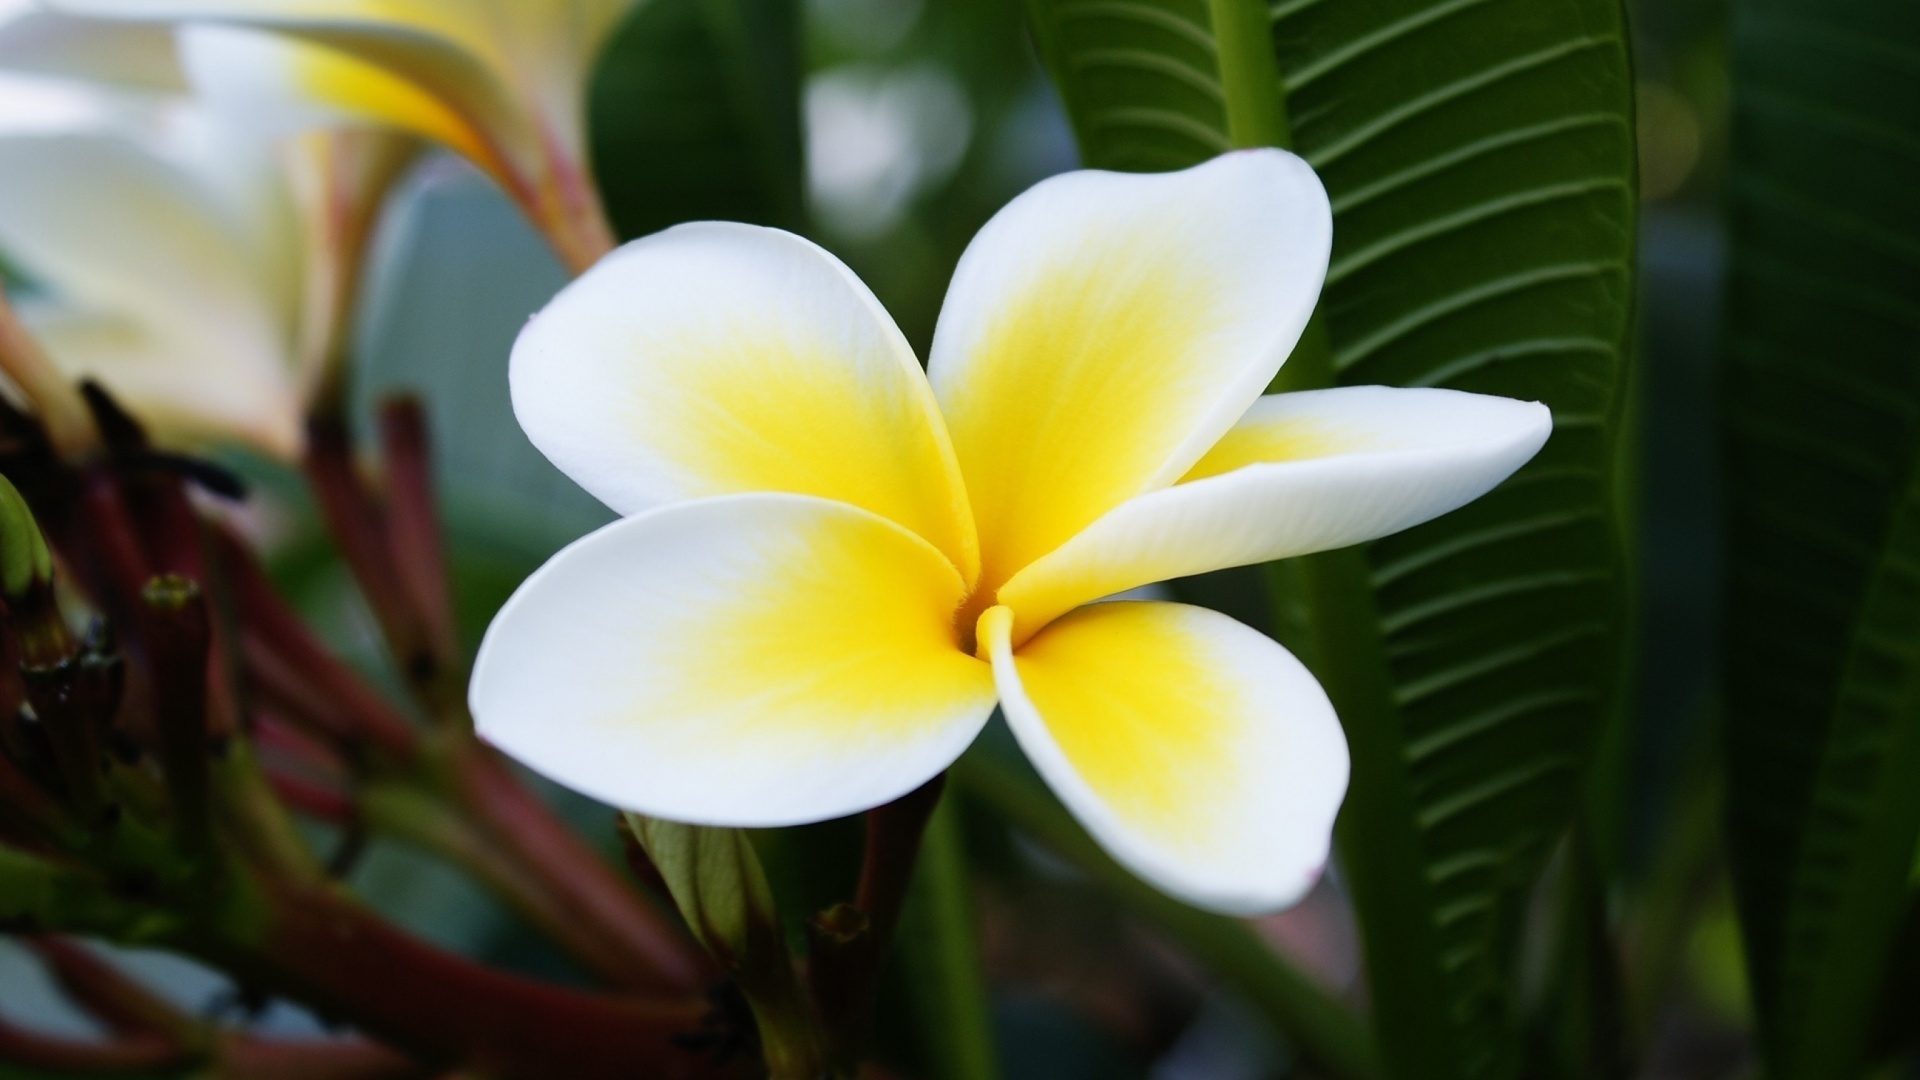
[
  {"x": 501, "y": 81},
  {"x": 876, "y": 139},
  {"x": 194, "y": 268}
]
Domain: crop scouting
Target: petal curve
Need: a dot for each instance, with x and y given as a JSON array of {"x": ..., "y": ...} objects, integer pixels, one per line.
[
  {"x": 1104, "y": 329},
  {"x": 716, "y": 358},
  {"x": 1200, "y": 753},
  {"x": 750, "y": 660},
  {"x": 1302, "y": 472}
]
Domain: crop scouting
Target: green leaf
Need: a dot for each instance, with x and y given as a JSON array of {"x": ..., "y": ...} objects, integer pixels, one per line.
[
  {"x": 1822, "y": 409},
  {"x": 695, "y": 112},
  {"x": 1479, "y": 158}
]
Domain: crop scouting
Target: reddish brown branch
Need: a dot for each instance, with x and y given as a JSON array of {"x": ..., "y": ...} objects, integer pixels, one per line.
[
  {"x": 305, "y": 796},
  {"x": 413, "y": 528},
  {"x": 124, "y": 1006},
  {"x": 658, "y": 954},
  {"x": 120, "y": 565},
  {"x": 893, "y": 846},
  {"x": 349, "y": 963},
  {"x": 245, "y": 1058},
  {"x": 279, "y": 644},
  {"x": 72, "y": 1057},
  {"x": 357, "y": 521}
]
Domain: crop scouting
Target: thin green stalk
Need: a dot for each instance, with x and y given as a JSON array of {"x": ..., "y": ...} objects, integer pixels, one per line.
[
  {"x": 1249, "y": 74},
  {"x": 944, "y": 957},
  {"x": 1380, "y": 845},
  {"x": 1325, "y": 1032}
]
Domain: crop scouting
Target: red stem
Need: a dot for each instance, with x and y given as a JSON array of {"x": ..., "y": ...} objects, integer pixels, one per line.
[
  {"x": 357, "y": 521},
  {"x": 279, "y": 740},
  {"x": 74, "y": 1058},
  {"x": 274, "y": 631},
  {"x": 893, "y": 846},
  {"x": 245, "y": 1058},
  {"x": 120, "y": 563},
  {"x": 413, "y": 529},
  {"x": 308, "y": 797},
  {"x": 579, "y": 881},
  {"x": 347, "y": 962},
  {"x": 124, "y": 1006},
  {"x": 279, "y": 684}
]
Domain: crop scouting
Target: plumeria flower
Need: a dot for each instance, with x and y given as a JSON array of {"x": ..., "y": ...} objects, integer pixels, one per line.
[
  {"x": 501, "y": 81},
  {"x": 836, "y": 565},
  {"x": 199, "y": 269}
]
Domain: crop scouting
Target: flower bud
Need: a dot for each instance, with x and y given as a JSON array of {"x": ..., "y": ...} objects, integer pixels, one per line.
[{"x": 26, "y": 581}]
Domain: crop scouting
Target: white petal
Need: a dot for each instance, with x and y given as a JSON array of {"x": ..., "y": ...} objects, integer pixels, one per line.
[
  {"x": 120, "y": 235},
  {"x": 183, "y": 396},
  {"x": 1201, "y": 754},
  {"x": 279, "y": 84},
  {"x": 715, "y": 358},
  {"x": 743, "y": 660},
  {"x": 513, "y": 73},
  {"x": 129, "y": 55},
  {"x": 1104, "y": 329},
  {"x": 1301, "y": 473}
]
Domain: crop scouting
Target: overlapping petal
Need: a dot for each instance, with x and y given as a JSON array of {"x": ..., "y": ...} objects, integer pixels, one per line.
[
  {"x": 744, "y": 660},
  {"x": 1104, "y": 330},
  {"x": 1197, "y": 751},
  {"x": 280, "y": 84},
  {"x": 718, "y": 358},
  {"x": 343, "y": 63},
  {"x": 1300, "y": 473}
]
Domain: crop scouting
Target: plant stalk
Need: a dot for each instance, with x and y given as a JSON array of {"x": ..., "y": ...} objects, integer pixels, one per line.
[{"x": 952, "y": 997}]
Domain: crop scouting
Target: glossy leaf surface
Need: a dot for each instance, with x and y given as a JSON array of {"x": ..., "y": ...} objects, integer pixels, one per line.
[
  {"x": 1822, "y": 412},
  {"x": 696, "y": 115},
  {"x": 1479, "y": 158}
]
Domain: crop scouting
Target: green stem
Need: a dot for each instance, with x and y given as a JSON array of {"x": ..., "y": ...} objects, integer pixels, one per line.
[
  {"x": 1380, "y": 846},
  {"x": 1325, "y": 1032},
  {"x": 944, "y": 957},
  {"x": 1249, "y": 74}
]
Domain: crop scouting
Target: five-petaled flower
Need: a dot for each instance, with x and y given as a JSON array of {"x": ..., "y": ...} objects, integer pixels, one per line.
[{"x": 836, "y": 565}]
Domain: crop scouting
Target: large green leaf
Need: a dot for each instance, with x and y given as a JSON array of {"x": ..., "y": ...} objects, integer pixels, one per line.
[
  {"x": 695, "y": 115},
  {"x": 1823, "y": 456},
  {"x": 1479, "y": 157}
]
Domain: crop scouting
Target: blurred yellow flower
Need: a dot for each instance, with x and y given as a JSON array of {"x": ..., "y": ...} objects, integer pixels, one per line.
[
  {"x": 837, "y": 564},
  {"x": 501, "y": 81}
]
